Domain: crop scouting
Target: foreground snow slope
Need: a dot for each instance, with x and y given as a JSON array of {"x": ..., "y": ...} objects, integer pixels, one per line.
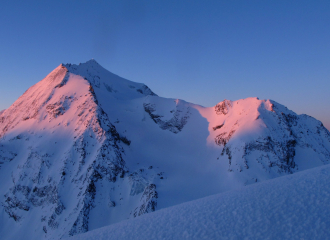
[
  {"x": 85, "y": 148},
  {"x": 290, "y": 207}
]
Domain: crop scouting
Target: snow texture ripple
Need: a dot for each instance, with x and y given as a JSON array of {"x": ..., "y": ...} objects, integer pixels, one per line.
[{"x": 289, "y": 207}]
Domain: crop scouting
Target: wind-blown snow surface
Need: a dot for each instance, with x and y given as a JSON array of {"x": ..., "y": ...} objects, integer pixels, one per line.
[
  {"x": 85, "y": 148},
  {"x": 290, "y": 207}
]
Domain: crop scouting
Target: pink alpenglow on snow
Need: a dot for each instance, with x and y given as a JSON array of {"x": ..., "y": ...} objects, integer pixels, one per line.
[{"x": 84, "y": 148}]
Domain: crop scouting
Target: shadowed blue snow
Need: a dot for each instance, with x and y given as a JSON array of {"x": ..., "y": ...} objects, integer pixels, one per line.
[{"x": 290, "y": 207}]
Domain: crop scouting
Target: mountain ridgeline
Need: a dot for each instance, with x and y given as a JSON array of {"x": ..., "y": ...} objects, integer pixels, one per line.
[{"x": 85, "y": 148}]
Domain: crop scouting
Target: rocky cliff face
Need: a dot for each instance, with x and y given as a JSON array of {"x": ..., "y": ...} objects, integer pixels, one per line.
[
  {"x": 85, "y": 148},
  {"x": 273, "y": 138},
  {"x": 57, "y": 135}
]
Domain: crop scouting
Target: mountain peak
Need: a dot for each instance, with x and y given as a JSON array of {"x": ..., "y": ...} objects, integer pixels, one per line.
[
  {"x": 85, "y": 148},
  {"x": 92, "y": 60},
  {"x": 101, "y": 78},
  {"x": 92, "y": 63}
]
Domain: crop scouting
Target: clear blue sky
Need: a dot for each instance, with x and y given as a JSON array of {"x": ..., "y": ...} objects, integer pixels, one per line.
[{"x": 199, "y": 51}]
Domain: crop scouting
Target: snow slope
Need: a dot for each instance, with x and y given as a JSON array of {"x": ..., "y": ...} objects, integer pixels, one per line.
[
  {"x": 85, "y": 148},
  {"x": 290, "y": 207}
]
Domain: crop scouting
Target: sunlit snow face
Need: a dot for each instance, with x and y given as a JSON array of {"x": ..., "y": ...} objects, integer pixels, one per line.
[{"x": 239, "y": 120}]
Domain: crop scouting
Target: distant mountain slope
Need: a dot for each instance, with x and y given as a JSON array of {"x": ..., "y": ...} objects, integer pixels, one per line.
[
  {"x": 289, "y": 207},
  {"x": 85, "y": 148}
]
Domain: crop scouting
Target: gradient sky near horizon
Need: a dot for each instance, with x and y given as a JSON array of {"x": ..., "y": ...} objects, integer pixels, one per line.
[{"x": 198, "y": 51}]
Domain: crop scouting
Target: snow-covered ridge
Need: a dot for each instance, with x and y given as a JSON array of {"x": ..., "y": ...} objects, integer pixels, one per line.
[
  {"x": 101, "y": 78},
  {"x": 265, "y": 130},
  {"x": 85, "y": 148},
  {"x": 290, "y": 207}
]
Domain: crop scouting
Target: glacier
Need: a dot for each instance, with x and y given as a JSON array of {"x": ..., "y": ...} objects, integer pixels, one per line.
[{"x": 85, "y": 148}]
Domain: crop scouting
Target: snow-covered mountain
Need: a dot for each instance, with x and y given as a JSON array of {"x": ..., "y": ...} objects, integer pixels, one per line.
[
  {"x": 85, "y": 148},
  {"x": 289, "y": 207}
]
